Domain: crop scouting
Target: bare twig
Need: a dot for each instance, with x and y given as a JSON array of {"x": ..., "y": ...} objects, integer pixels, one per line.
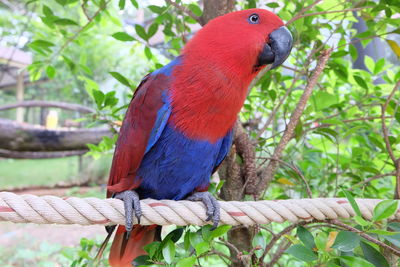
[
  {"x": 283, "y": 246},
  {"x": 267, "y": 173},
  {"x": 84, "y": 10},
  {"x": 301, "y": 12},
  {"x": 365, "y": 236},
  {"x": 327, "y": 12},
  {"x": 275, "y": 110},
  {"x": 187, "y": 11},
  {"x": 296, "y": 170},
  {"x": 396, "y": 162},
  {"x": 278, "y": 236},
  {"x": 73, "y": 37},
  {"x": 373, "y": 178}
]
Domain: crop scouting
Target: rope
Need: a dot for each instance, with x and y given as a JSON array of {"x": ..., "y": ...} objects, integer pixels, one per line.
[{"x": 86, "y": 211}]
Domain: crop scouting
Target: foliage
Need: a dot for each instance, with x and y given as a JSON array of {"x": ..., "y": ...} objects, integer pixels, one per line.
[{"x": 94, "y": 52}]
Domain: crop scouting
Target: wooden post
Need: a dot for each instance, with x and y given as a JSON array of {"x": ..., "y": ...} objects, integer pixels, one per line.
[{"x": 20, "y": 96}]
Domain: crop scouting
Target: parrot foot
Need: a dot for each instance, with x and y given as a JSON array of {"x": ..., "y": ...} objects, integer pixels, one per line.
[
  {"x": 212, "y": 206},
  {"x": 131, "y": 204}
]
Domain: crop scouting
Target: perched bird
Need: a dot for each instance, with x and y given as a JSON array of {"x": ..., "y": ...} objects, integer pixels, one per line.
[{"x": 178, "y": 127}]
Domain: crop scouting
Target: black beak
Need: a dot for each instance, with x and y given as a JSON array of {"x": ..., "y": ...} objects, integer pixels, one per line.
[{"x": 278, "y": 48}]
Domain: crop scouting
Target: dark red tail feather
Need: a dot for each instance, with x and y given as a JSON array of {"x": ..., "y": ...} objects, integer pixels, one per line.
[{"x": 124, "y": 251}]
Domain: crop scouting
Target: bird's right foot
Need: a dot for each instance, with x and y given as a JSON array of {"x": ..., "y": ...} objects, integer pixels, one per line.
[{"x": 132, "y": 205}]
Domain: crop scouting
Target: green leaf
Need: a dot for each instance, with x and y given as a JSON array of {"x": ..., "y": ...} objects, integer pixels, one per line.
[
  {"x": 142, "y": 260},
  {"x": 152, "y": 30},
  {"x": 148, "y": 53},
  {"x": 186, "y": 262},
  {"x": 98, "y": 97},
  {"x": 323, "y": 100},
  {"x": 306, "y": 237},
  {"x": 175, "y": 235},
  {"x": 121, "y": 78},
  {"x": 62, "y": 2},
  {"x": 47, "y": 11},
  {"x": 272, "y": 5},
  {"x": 121, "y": 4},
  {"x": 141, "y": 32},
  {"x": 220, "y": 230},
  {"x": 355, "y": 261},
  {"x": 168, "y": 251},
  {"x": 194, "y": 238},
  {"x": 385, "y": 209},
  {"x": 195, "y": 9},
  {"x": 373, "y": 256},
  {"x": 369, "y": 62},
  {"x": 50, "y": 71},
  {"x": 152, "y": 248},
  {"x": 360, "y": 220},
  {"x": 42, "y": 43},
  {"x": 65, "y": 22},
  {"x": 135, "y": 3},
  {"x": 394, "y": 239},
  {"x": 379, "y": 65},
  {"x": 155, "y": 9},
  {"x": 69, "y": 62},
  {"x": 360, "y": 81},
  {"x": 206, "y": 232},
  {"x": 123, "y": 36},
  {"x": 302, "y": 253},
  {"x": 186, "y": 240},
  {"x": 395, "y": 226},
  {"x": 202, "y": 247},
  {"x": 346, "y": 241},
  {"x": 353, "y": 203}
]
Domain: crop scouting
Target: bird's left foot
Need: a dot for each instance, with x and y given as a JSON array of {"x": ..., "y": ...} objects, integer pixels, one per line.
[
  {"x": 212, "y": 206},
  {"x": 132, "y": 205}
]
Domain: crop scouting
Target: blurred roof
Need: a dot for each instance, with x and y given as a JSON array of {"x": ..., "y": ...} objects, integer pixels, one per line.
[
  {"x": 13, "y": 57},
  {"x": 11, "y": 61}
]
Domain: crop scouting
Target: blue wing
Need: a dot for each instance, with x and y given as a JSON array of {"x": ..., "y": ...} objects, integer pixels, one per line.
[{"x": 224, "y": 150}]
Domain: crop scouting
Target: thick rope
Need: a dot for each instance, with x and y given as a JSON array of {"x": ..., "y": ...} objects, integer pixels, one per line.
[{"x": 86, "y": 211}]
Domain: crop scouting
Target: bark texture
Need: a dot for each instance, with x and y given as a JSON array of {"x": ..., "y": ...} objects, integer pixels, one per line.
[{"x": 25, "y": 137}]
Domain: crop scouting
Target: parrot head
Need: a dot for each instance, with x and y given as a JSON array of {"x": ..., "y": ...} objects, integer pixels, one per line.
[{"x": 243, "y": 41}]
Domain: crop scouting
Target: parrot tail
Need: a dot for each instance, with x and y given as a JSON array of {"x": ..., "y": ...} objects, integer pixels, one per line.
[{"x": 125, "y": 249}]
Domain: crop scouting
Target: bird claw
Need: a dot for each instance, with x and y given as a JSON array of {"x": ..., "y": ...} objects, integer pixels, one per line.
[
  {"x": 212, "y": 206},
  {"x": 132, "y": 205}
]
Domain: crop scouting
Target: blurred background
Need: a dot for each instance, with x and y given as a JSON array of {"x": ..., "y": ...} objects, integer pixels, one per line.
[{"x": 68, "y": 69}]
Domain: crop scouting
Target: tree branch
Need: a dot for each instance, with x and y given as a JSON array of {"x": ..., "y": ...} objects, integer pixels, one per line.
[
  {"x": 373, "y": 178},
  {"x": 73, "y": 37},
  {"x": 365, "y": 236},
  {"x": 326, "y": 12},
  {"x": 267, "y": 173},
  {"x": 296, "y": 170},
  {"x": 396, "y": 162},
  {"x": 187, "y": 11}
]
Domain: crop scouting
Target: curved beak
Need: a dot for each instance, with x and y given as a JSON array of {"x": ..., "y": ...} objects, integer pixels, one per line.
[{"x": 278, "y": 48}]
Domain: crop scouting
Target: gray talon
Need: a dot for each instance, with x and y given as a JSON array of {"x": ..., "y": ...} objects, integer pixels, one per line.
[
  {"x": 132, "y": 204},
  {"x": 212, "y": 206}
]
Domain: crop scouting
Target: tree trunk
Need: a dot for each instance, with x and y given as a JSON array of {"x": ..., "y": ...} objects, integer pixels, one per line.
[
  {"x": 23, "y": 137},
  {"x": 230, "y": 171}
]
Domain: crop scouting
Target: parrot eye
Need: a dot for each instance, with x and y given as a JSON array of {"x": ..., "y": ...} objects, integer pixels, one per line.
[{"x": 254, "y": 19}]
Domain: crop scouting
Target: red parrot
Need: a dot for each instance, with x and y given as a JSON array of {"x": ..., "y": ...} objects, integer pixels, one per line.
[{"x": 178, "y": 127}]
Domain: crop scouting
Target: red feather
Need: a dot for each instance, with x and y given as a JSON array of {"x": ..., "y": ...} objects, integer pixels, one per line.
[
  {"x": 135, "y": 132},
  {"x": 211, "y": 84}
]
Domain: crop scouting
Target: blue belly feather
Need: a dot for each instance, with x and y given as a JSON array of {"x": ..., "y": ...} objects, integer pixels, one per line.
[
  {"x": 176, "y": 165},
  {"x": 173, "y": 165}
]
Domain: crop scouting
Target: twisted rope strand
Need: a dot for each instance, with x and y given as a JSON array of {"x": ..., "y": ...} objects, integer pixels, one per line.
[{"x": 86, "y": 211}]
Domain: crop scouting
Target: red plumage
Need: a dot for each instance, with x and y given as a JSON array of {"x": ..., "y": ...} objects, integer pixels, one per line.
[
  {"x": 207, "y": 90},
  {"x": 135, "y": 133},
  {"x": 211, "y": 84}
]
